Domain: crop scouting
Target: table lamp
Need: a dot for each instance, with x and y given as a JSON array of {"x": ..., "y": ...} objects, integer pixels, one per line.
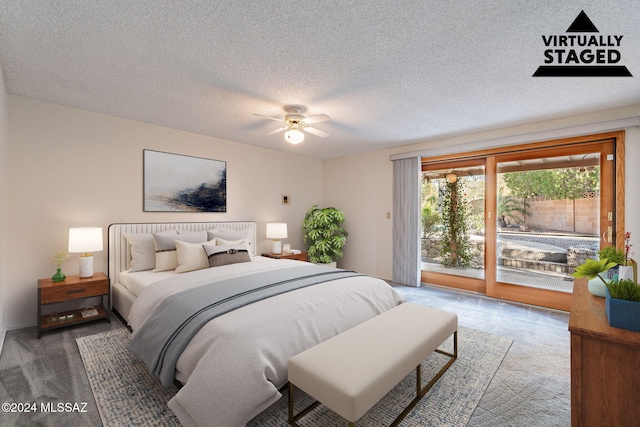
[
  {"x": 277, "y": 231},
  {"x": 83, "y": 240}
]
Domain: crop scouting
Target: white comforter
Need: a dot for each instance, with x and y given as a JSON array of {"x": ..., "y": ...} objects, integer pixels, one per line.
[{"x": 235, "y": 364}]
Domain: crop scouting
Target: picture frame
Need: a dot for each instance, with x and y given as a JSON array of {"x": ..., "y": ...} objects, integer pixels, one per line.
[{"x": 182, "y": 183}]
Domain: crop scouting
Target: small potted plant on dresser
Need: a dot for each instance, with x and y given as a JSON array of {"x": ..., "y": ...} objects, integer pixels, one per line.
[
  {"x": 618, "y": 266},
  {"x": 629, "y": 268},
  {"x": 594, "y": 270},
  {"x": 623, "y": 294},
  {"x": 623, "y": 304},
  {"x": 614, "y": 255},
  {"x": 323, "y": 232}
]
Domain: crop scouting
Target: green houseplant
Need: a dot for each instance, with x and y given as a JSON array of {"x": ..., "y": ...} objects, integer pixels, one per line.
[
  {"x": 323, "y": 232},
  {"x": 612, "y": 254}
]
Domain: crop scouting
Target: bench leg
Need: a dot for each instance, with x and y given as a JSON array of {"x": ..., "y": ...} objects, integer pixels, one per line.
[
  {"x": 292, "y": 418},
  {"x": 421, "y": 391}
]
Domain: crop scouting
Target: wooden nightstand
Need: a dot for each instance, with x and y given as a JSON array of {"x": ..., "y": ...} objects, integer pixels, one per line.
[
  {"x": 73, "y": 287},
  {"x": 302, "y": 256}
]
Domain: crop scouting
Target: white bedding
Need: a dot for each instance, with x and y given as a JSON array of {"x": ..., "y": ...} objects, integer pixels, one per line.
[
  {"x": 137, "y": 281},
  {"x": 235, "y": 364}
]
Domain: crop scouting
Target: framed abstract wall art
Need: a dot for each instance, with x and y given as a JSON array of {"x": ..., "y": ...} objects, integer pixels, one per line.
[{"x": 179, "y": 183}]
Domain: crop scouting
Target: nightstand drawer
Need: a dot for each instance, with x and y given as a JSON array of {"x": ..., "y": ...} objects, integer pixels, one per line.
[{"x": 73, "y": 291}]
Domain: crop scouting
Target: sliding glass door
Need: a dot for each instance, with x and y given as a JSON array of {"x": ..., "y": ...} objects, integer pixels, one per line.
[
  {"x": 453, "y": 218},
  {"x": 514, "y": 224},
  {"x": 547, "y": 219},
  {"x": 554, "y": 208}
]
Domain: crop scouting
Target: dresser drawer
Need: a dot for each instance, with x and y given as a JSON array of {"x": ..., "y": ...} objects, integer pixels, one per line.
[{"x": 73, "y": 291}]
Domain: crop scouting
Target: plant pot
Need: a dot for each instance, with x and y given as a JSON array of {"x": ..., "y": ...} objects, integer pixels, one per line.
[
  {"x": 597, "y": 287},
  {"x": 612, "y": 273},
  {"x": 333, "y": 264},
  {"x": 623, "y": 314},
  {"x": 629, "y": 271}
]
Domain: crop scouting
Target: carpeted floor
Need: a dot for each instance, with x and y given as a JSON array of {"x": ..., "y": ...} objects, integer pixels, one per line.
[
  {"x": 126, "y": 394},
  {"x": 533, "y": 385}
]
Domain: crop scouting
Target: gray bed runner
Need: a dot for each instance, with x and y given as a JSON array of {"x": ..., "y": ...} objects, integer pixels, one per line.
[{"x": 161, "y": 339}]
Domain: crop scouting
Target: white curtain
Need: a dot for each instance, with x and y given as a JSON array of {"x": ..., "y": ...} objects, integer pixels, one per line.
[{"x": 406, "y": 221}]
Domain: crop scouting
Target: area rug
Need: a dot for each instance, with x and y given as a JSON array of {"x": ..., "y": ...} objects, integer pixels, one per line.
[{"x": 126, "y": 394}]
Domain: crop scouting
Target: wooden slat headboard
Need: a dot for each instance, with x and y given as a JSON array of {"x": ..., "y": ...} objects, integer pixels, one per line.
[{"x": 119, "y": 251}]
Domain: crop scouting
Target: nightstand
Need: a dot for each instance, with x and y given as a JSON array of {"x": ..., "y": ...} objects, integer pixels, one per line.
[
  {"x": 302, "y": 256},
  {"x": 73, "y": 287}
]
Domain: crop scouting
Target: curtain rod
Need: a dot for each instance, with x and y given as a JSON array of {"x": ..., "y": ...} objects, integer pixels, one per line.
[{"x": 558, "y": 133}]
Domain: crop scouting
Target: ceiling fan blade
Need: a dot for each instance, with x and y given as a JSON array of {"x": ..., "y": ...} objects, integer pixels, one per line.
[
  {"x": 316, "y": 119},
  {"x": 267, "y": 117},
  {"x": 278, "y": 130},
  {"x": 316, "y": 132}
]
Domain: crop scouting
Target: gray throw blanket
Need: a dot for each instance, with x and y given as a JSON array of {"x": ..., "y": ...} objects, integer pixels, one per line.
[{"x": 161, "y": 339}]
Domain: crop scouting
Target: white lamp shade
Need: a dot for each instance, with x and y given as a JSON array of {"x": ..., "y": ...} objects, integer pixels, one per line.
[
  {"x": 85, "y": 239},
  {"x": 276, "y": 230},
  {"x": 294, "y": 136}
]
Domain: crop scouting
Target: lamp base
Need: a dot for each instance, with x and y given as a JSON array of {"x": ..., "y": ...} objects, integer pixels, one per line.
[
  {"x": 277, "y": 247},
  {"x": 86, "y": 266}
]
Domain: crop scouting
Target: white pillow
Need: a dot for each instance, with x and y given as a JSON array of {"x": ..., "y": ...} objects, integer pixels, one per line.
[
  {"x": 191, "y": 256},
  {"x": 232, "y": 235},
  {"x": 165, "y": 247},
  {"x": 142, "y": 249}
]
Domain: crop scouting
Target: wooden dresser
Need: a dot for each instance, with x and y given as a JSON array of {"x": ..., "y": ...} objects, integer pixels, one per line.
[{"x": 605, "y": 365}]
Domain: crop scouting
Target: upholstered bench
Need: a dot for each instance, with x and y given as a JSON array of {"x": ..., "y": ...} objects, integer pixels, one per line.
[{"x": 352, "y": 371}]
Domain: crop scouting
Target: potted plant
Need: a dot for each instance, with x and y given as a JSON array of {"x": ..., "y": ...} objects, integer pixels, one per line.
[
  {"x": 323, "y": 232},
  {"x": 613, "y": 255},
  {"x": 629, "y": 268},
  {"x": 58, "y": 258},
  {"x": 623, "y": 304},
  {"x": 591, "y": 269}
]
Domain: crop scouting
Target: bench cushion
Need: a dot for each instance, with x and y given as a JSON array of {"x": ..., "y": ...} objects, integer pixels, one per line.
[{"x": 352, "y": 371}]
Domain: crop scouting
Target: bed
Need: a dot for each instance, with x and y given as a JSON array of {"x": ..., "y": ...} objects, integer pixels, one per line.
[{"x": 233, "y": 364}]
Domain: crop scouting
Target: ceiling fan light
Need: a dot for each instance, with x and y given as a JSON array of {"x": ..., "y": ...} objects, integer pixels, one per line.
[{"x": 294, "y": 136}]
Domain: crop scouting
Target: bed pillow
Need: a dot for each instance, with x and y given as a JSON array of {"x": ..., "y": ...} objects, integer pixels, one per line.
[
  {"x": 227, "y": 254},
  {"x": 230, "y": 235},
  {"x": 165, "y": 247},
  {"x": 142, "y": 249},
  {"x": 191, "y": 256}
]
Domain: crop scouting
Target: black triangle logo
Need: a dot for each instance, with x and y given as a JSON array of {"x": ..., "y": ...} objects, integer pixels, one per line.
[{"x": 582, "y": 24}]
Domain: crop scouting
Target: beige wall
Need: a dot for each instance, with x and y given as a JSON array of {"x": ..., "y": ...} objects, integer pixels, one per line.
[
  {"x": 70, "y": 167},
  {"x": 361, "y": 185},
  {"x": 4, "y": 163}
]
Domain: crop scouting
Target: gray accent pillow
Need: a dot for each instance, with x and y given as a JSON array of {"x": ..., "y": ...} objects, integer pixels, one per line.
[{"x": 225, "y": 255}]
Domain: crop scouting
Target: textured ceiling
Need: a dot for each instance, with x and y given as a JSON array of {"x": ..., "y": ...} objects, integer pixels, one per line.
[{"x": 388, "y": 73}]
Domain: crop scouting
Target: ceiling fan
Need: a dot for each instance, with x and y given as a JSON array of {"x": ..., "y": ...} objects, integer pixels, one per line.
[{"x": 296, "y": 123}]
